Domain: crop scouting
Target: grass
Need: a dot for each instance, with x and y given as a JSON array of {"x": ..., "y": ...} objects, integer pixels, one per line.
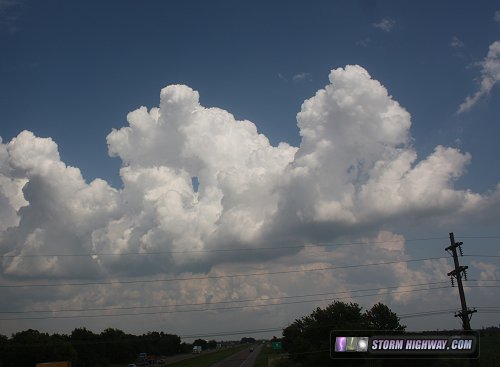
[
  {"x": 207, "y": 359},
  {"x": 262, "y": 358},
  {"x": 268, "y": 357}
]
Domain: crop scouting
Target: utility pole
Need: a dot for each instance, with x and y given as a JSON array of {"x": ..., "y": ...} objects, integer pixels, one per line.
[{"x": 465, "y": 314}]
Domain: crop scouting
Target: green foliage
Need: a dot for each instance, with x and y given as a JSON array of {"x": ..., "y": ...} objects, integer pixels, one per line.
[
  {"x": 83, "y": 347},
  {"x": 212, "y": 344},
  {"x": 160, "y": 343},
  {"x": 307, "y": 339},
  {"x": 380, "y": 317},
  {"x": 262, "y": 358},
  {"x": 246, "y": 340},
  {"x": 29, "y": 347}
]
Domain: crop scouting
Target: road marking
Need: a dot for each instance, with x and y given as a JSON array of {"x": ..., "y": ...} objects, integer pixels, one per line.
[{"x": 249, "y": 354}]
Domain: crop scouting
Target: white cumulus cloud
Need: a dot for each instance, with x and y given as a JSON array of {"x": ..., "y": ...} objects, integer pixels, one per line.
[
  {"x": 354, "y": 174},
  {"x": 355, "y": 167}
]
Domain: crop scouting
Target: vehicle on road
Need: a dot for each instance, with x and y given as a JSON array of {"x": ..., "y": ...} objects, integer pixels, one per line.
[{"x": 197, "y": 349}]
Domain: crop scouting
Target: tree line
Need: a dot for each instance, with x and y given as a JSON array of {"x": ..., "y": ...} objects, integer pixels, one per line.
[
  {"x": 84, "y": 348},
  {"x": 307, "y": 339},
  {"x": 307, "y": 342}
]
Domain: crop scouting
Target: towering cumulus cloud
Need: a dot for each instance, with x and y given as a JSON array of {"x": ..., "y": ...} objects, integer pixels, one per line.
[
  {"x": 237, "y": 169},
  {"x": 355, "y": 168},
  {"x": 56, "y": 211},
  {"x": 356, "y": 164}
]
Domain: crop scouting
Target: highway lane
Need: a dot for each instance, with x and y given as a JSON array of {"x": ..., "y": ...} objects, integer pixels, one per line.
[
  {"x": 181, "y": 357},
  {"x": 244, "y": 358}
]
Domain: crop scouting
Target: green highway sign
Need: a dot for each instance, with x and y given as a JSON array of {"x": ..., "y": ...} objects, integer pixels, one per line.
[{"x": 276, "y": 345}]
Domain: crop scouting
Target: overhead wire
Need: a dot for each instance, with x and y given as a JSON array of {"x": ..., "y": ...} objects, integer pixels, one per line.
[
  {"x": 222, "y": 302},
  {"x": 428, "y": 313},
  {"x": 271, "y": 248},
  {"x": 277, "y": 328},
  {"x": 207, "y": 277},
  {"x": 139, "y": 281},
  {"x": 209, "y": 309},
  {"x": 491, "y": 310}
]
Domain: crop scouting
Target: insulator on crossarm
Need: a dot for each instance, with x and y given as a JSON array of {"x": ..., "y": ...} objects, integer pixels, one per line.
[
  {"x": 465, "y": 274},
  {"x": 461, "y": 251},
  {"x": 452, "y": 282}
]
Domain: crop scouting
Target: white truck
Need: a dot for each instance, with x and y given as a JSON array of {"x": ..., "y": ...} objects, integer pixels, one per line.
[{"x": 197, "y": 349}]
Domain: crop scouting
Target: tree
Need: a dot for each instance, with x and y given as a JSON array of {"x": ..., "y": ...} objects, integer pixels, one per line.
[
  {"x": 118, "y": 346},
  {"x": 88, "y": 346},
  {"x": 26, "y": 348},
  {"x": 161, "y": 343},
  {"x": 4, "y": 345},
  {"x": 308, "y": 339},
  {"x": 212, "y": 344},
  {"x": 380, "y": 317}
]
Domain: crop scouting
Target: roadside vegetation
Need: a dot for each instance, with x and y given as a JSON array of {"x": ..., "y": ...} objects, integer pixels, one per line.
[
  {"x": 85, "y": 348},
  {"x": 305, "y": 342}
]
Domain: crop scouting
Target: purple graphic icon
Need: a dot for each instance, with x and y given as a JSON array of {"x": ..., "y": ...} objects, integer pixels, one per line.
[{"x": 340, "y": 344}]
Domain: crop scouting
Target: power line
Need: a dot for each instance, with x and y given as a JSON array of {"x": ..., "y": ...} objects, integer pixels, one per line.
[
  {"x": 277, "y": 328},
  {"x": 212, "y": 309},
  {"x": 479, "y": 237},
  {"x": 446, "y": 311},
  {"x": 304, "y": 246},
  {"x": 488, "y": 310},
  {"x": 227, "y": 275},
  {"x": 222, "y": 302},
  {"x": 483, "y": 280},
  {"x": 217, "y": 276},
  {"x": 324, "y": 244},
  {"x": 237, "y": 332},
  {"x": 426, "y": 313}
]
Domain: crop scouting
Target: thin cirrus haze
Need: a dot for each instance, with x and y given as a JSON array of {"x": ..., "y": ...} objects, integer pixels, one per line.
[
  {"x": 490, "y": 76},
  {"x": 354, "y": 173}
]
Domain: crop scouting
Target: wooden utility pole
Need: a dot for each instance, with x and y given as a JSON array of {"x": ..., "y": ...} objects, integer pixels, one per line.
[{"x": 465, "y": 314}]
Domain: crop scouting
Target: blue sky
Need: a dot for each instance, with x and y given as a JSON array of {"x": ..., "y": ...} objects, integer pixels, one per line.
[
  {"x": 390, "y": 111},
  {"x": 73, "y": 70}
]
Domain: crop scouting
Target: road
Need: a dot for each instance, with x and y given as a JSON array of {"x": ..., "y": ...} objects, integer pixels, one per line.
[
  {"x": 244, "y": 358},
  {"x": 181, "y": 357}
]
